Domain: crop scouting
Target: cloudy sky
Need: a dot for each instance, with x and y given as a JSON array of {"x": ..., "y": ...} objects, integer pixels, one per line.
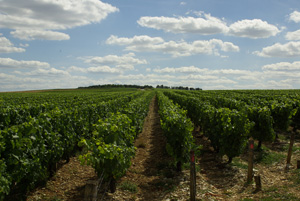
[{"x": 211, "y": 44}]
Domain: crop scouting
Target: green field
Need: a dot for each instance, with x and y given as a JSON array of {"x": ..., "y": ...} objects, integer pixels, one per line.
[{"x": 40, "y": 128}]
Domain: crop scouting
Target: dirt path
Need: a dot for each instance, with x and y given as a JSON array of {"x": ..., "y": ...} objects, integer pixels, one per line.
[
  {"x": 150, "y": 165},
  {"x": 68, "y": 183}
]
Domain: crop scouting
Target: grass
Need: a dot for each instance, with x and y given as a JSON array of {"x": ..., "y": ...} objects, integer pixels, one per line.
[
  {"x": 295, "y": 176},
  {"x": 267, "y": 157},
  {"x": 129, "y": 186},
  {"x": 237, "y": 163},
  {"x": 275, "y": 193}
]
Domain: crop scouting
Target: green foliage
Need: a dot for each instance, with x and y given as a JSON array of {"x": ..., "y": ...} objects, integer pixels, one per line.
[
  {"x": 111, "y": 147},
  {"x": 282, "y": 114},
  {"x": 36, "y": 131},
  {"x": 39, "y": 129},
  {"x": 227, "y": 129},
  {"x": 263, "y": 128},
  {"x": 177, "y": 129}
]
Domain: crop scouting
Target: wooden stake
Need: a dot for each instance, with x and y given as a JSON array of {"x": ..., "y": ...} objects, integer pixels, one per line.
[
  {"x": 192, "y": 177},
  {"x": 113, "y": 185},
  {"x": 91, "y": 190},
  {"x": 258, "y": 183},
  {"x": 289, "y": 156},
  {"x": 250, "y": 160}
]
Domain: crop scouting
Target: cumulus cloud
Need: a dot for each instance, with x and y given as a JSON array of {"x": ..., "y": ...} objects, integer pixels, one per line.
[
  {"x": 295, "y": 16},
  {"x": 96, "y": 69},
  {"x": 135, "y": 41},
  {"x": 290, "y": 49},
  {"x": 295, "y": 35},
  {"x": 103, "y": 69},
  {"x": 45, "y": 79},
  {"x": 11, "y": 63},
  {"x": 36, "y": 19},
  {"x": 283, "y": 66},
  {"x": 51, "y": 72},
  {"x": 39, "y": 35},
  {"x": 255, "y": 28},
  {"x": 76, "y": 69},
  {"x": 145, "y": 43},
  {"x": 126, "y": 62},
  {"x": 7, "y": 47},
  {"x": 187, "y": 69},
  {"x": 205, "y": 26}
]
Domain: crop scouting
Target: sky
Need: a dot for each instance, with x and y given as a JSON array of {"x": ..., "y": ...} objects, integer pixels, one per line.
[{"x": 210, "y": 44}]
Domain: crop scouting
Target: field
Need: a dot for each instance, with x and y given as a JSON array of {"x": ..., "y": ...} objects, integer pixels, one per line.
[{"x": 138, "y": 142}]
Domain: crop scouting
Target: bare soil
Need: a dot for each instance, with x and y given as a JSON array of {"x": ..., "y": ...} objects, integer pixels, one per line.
[{"x": 154, "y": 178}]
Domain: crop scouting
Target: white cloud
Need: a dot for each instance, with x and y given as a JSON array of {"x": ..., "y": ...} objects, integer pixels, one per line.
[
  {"x": 40, "y": 17},
  {"x": 207, "y": 25},
  {"x": 145, "y": 43},
  {"x": 197, "y": 77},
  {"x": 231, "y": 72},
  {"x": 283, "y": 66},
  {"x": 290, "y": 49},
  {"x": 125, "y": 62},
  {"x": 282, "y": 84},
  {"x": 255, "y": 28},
  {"x": 49, "y": 79},
  {"x": 39, "y": 35},
  {"x": 249, "y": 78},
  {"x": 76, "y": 69},
  {"x": 295, "y": 35},
  {"x": 103, "y": 69},
  {"x": 182, "y": 3},
  {"x": 5, "y": 79},
  {"x": 109, "y": 64},
  {"x": 295, "y": 16},
  {"x": 11, "y": 63},
  {"x": 281, "y": 74},
  {"x": 188, "y": 69},
  {"x": 135, "y": 41},
  {"x": 24, "y": 45},
  {"x": 97, "y": 69},
  {"x": 7, "y": 47},
  {"x": 51, "y": 72}
]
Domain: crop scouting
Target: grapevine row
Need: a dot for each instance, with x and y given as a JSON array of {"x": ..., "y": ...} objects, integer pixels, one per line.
[
  {"x": 177, "y": 129},
  {"x": 30, "y": 149}
]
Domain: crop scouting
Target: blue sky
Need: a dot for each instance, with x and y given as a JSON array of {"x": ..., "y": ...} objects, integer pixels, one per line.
[{"x": 211, "y": 44}]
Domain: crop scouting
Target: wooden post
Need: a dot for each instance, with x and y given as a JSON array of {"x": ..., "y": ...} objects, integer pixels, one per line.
[
  {"x": 91, "y": 190},
  {"x": 298, "y": 164},
  {"x": 250, "y": 160},
  {"x": 178, "y": 166},
  {"x": 258, "y": 183},
  {"x": 112, "y": 185},
  {"x": 288, "y": 160},
  {"x": 192, "y": 177}
]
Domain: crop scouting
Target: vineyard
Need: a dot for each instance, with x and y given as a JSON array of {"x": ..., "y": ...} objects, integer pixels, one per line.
[{"x": 38, "y": 130}]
